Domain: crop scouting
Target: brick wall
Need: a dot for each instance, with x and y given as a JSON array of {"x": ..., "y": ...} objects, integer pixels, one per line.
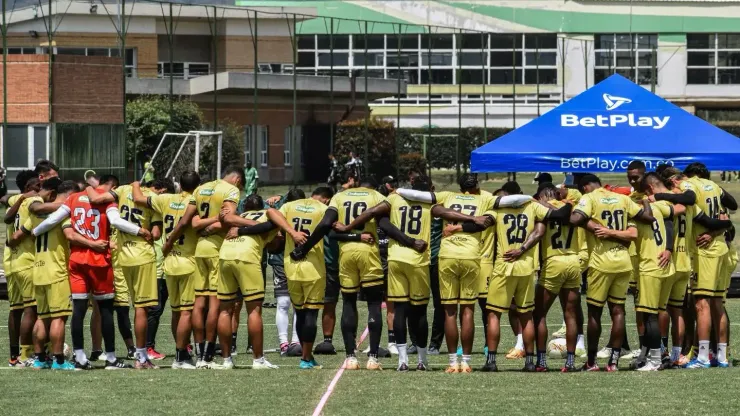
[
  {"x": 28, "y": 89},
  {"x": 87, "y": 89},
  {"x": 236, "y": 53}
]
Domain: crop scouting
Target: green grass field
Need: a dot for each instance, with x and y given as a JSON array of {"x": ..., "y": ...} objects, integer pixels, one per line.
[{"x": 290, "y": 391}]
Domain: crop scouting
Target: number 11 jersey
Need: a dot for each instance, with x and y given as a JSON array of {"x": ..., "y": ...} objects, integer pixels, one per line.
[{"x": 91, "y": 222}]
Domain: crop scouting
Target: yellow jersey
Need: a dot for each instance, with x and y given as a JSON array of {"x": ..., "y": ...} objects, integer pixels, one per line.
[
  {"x": 132, "y": 249},
  {"x": 513, "y": 226},
  {"x": 561, "y": 239},
  {"x": 611, "y": 210},
  {"x": 248, "y": 248},
  {"x": 171, "y": 208},
  {"x": 573, "y": 195},
  {"x": 19, "y": 258},
  {"x": 464, "y": 245},
  {"x": 488, "y": 238},
  {"x": 415, "y": 220},
  {"x": 305, "y": 215},
  {"x": 708, "y": 199},
  {"x": 685, "y": 244},
  {"x": 209, "y": 198},
  {"x": 51, "y": 259},
  {"x": 651, "y": 241},
  {"x": 349, "y": 204}
]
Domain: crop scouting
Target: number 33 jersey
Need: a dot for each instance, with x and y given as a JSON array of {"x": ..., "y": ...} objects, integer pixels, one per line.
[
  {"x": 91, "y": 222},
  {"x": 134, "y": 250},
  {"x": 513, "y": 226}
]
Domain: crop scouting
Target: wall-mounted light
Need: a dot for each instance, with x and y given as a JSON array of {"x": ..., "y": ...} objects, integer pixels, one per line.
[
  {"x": 34, "y": 34},
  {"x": 93, "y": 9}
]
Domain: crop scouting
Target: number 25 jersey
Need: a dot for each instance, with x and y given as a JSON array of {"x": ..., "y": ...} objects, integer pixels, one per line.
[
  {"x": 91, "y": 222},
  {"x": 304, "y": 215},
  {"x": 132, "y": 249}
]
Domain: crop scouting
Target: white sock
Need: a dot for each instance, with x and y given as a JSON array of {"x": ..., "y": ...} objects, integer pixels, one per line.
[
  {"x": 142, "y": 355},
  {"x": 703, "y": 351},
  {"x": 80, "y": 356},
  {"x": 422, "y": 354},
  {"x": 519, "y": 342},
  {"x": 227, "y": 360},
  {"x": 580, "y": 343},
  {"x": 675, "y": 353},
  {"x": 281, "y": 318},
  {"x": 110, "y": 357},
  {"x": 466, "y": 358},
  {"x": 403, "y": 357},
  {"x": 721, "y": 352},
  {"x": 655, "y": 355},
  {"x": 453, "y": 358},
  {"x": 295, "y": 339}
]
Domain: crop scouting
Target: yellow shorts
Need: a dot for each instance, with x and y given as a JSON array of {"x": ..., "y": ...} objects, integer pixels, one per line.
[
  {"x": 603, "y": 287},
  {"x": 710, "y": 281},
  {"x": 583, "y": 260},
  {"x": 408, "y": 283},
  {"x": 458, "y": 281},
  {"x": 241, "y": 277},
  {"x": 727, "y": 270},
  {"x": 650, "y": 290},
  {"x": 674, "y": 290},
  {"x": 181, "y": 292},
  {"x": 561, "y": 272},
  {"x": 359, "y": 269},
  {"x": 502, "y": 289},
  {"x": 207, "y": 273},
  {"x": 54, "y": 300},
  {"x": 122, "y": 297},
  {"x": 142, "y": 282},
  {"x": 307, "y": 294},
  {"x": 635, "y": 270},
  {"x": 20, "y": 289},
  {"x": 486, "y": 271}
]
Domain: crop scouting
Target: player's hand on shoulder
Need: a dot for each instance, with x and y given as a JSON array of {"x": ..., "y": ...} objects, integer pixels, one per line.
[
  {"x": 367, "y": 238},
  {"x": 484, "y": 221},
  {"x": 271, "y": 201},
  {"x": 232, "y": 233},
  {"x": 420, "y": 245},
  {"x": 339, "y": 227}
]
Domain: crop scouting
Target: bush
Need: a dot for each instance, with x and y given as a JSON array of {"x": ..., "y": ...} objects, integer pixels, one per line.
[
  {"x": 350, "y": 137},
  {"x": 411, "y": 161}
]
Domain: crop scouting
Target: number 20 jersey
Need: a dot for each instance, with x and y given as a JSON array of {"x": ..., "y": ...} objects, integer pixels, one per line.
[{"x": 91, "y": 222}]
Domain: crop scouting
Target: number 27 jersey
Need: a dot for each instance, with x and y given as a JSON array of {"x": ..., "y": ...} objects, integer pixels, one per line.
[{"x": 91, "y": 222}]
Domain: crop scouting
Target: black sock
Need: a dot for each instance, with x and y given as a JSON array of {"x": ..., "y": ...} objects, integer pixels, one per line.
[
  {"x": 375, "y": 326},
  {"x": 300, "y": 322},
  {"x": 201, "y": 349},
  {"x": 348, "y": 323},
  {"x": 642, "y": 340},
  {"x": 233, "y": 339},
  {"x": 328, "y": 338},
  {"x": 591, "y": 360},
  {"x": 181, "y": 355},
  {"x": 491, "y": 358},
  {"x": 310, "y": 325},
  {"x": 529, "y": 359},
  {"x": 41, "y": 356},
  {"x": 664, "y": 342},
  {"x": 124, "y": 322},
  {"x": 391, "y": 335},
  {"x": 418, "y": 324},
  {"x": 15, "y": 351},
  {"x": 399, "y": 322},
  {"x": 570, "y": 359},
  {"x": 79, "y": 310},
  {"x": 541, "y": 359},
  {"x": 59, "y": 358},
  {"x": 210, "y": 351},
  {"x": 652, "y": 332},
  {"x": 107, "y": 326}
]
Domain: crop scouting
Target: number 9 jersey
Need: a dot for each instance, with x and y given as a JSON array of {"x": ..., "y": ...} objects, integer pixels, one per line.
[{"x": 90, "y": 221}]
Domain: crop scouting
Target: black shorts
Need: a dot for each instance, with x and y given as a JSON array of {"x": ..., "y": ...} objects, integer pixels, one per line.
[
  {"x": 279, "y": 280},
  {"x": 331, "y": 293}
]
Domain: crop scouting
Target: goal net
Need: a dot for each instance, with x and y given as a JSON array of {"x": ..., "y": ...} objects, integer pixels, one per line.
[{"x": 194, "y": 150}]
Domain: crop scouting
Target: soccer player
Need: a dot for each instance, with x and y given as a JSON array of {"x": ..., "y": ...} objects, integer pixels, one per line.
[
  {"x": 408, "y": 279},
  {"x": 209, "y": 199},
  {"x": 50, "y": 278},
  {"x": 656, "y": 271},
  {"x": 137, "y": 258},
  {"x": 560, "y": 276},
  {"x": 46, "y": 169},
  {"x": 241, "y": 272},
  {"x": 90, "y": 268},
  {"x": 179, "y": 258},
  {"x": 18, "y": 267},
  {"x": 610, "y": 266},
  {"x": 305, "y": 267}
]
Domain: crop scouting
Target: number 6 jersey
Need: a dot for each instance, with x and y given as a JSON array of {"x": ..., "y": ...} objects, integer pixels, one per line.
[{"x": 92, "y": 223}]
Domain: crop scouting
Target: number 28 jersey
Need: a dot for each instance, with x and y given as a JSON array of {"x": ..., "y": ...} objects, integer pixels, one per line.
[
  {"x": 513, "y": 226},
  {"x": 91, "y": 222},
  {"x": 349, "y": 204},
  {"x": 611, "y": 210}
]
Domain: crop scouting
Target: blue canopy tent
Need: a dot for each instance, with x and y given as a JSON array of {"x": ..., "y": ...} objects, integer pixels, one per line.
[{"x": 603, "y": 129}]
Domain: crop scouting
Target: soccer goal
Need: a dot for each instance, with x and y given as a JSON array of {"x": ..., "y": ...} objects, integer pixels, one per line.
[{"x": 185, "y": 151}]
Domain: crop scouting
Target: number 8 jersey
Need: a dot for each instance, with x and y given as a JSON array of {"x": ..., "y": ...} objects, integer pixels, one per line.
[{"x": 92, "y": 222}]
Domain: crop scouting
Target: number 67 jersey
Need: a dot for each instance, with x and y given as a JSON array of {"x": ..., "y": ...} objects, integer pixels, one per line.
[{"x": 91, "y": 222}]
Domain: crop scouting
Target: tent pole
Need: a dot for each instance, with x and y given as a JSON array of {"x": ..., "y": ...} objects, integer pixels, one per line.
[
  {"x": 513, "y": 86},
  {"x": 331, "y": 84},
  {"x": 367, "y": 111},
  {"x": 484, "y": 78}
]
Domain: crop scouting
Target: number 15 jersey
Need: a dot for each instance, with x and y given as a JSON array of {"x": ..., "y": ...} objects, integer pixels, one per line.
[
  {"x": 610, "y": 210},
  {"x": 92, "y": 222}
]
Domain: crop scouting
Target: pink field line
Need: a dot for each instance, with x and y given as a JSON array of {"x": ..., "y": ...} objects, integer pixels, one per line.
[{"x": 335, "y": 380}]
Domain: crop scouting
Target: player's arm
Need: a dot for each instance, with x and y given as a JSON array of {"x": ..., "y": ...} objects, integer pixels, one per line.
[
  {"x": 76, "y": 239},
  {"x": 18, "y": 237},
  {"x": 229, "y": 218},
  {"x": 511, "y": 201},
  {"x": 642, "y": 214},
  {"x": 393, "y": 232},
  {"x": 727, "y": 200},
  {"x": 12, "y": 211},
  {"x": 686, "y": 198},
  {"x": 351, "y": 237},
  {"x": 298, "y": 237},
  {"x": 560, "y": 214},
  {"x": 450, "y": 215},
  {"x": 52, "y": 220},
  {"x": 627, "y": 236},
  {"x": 379, "y": 210},
  {"x": 324, "y": 226},
  {"x": 261, "y": 228},
  {"x": 138, "y": 196},
  {"x": 532, "y": 239},
  {"x": 712, "y": 223},
  {"x": 4, "y": 200},
  {"x": 115, "y": 220},
  {"x": 418, "y": 196},
  {"x": 200, "y": 224},
  {"x": 100, "y": 198}
]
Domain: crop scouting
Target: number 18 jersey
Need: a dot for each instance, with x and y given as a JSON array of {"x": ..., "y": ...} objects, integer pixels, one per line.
[
  {"x": 415, "y": 220},
  {"x": 92, "y": 222}
]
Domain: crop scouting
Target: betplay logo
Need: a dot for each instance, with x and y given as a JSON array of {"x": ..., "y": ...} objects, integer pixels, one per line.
[{"x": 612, "y": 103}]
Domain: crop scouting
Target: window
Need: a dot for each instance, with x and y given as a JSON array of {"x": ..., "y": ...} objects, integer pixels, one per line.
[
  {"x": 523, "y": 58},
  {"x": 713, "y": 58},
  {"x": 287, "y": 150},
  {"x": 264, "y": 144},
  {"x": 23, "y": 145},
  {"x": 184, "y": 70},
  {"x": 632, "y": 56}
]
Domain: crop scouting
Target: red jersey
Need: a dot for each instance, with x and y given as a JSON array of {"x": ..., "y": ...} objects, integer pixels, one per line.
[{"x": 92, "y": 222}]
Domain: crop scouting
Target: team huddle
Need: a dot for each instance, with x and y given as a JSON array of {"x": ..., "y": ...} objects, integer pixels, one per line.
[{"x": 668, "y": 238}]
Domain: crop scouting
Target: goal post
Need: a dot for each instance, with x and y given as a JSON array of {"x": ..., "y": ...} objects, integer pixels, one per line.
[{"x": 193, "y": 149}]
